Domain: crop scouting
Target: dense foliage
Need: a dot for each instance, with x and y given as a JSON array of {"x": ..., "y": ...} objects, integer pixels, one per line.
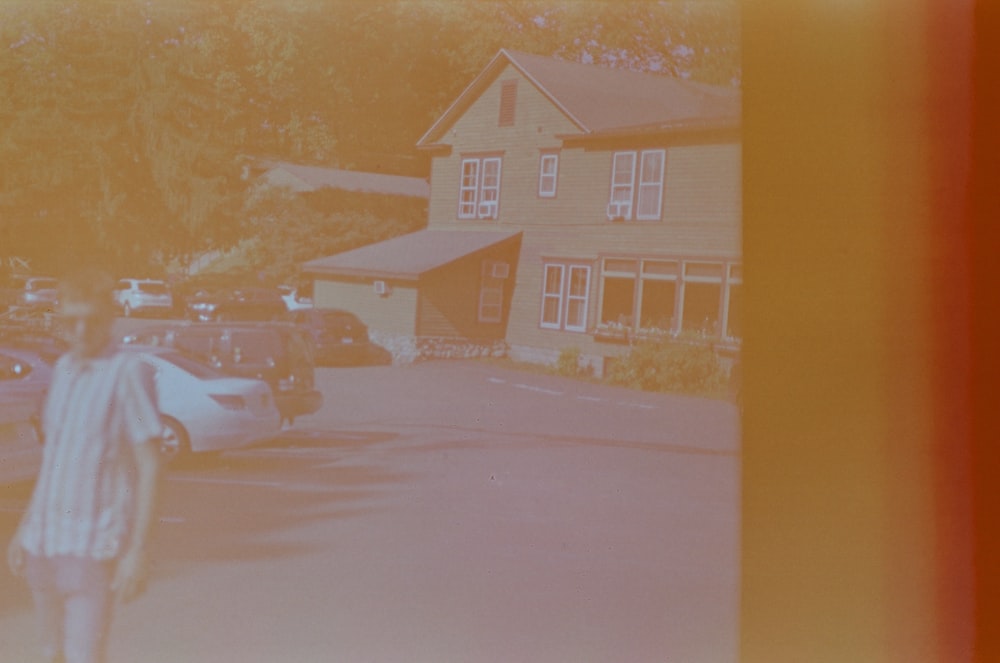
[
  {"x": 128, "y": 124},
  {"x": 690, "y": 368}
]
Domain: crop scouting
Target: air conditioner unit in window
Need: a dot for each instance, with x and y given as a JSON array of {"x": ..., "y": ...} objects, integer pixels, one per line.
[
  {"x": 500, "y": 270},
  {"x": 618, "y": 210},
  {"x": 381, "y": 288},
  {"x": 488, "y": 210}
]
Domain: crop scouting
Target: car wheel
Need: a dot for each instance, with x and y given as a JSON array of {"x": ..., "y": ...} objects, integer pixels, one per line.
[
  {"x": 127, "y": 310},
  {"x": 175, "y": 444}
]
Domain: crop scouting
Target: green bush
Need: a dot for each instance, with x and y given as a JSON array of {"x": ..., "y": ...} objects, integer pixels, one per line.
[
  {"x": 568, "y": 364},
  {"x": 669, "y": 366}
]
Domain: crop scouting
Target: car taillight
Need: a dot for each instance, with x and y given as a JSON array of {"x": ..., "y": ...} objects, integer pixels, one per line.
[{"x": 229, "y": 401}]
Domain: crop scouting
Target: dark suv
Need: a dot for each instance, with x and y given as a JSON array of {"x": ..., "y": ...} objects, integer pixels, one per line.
[
  {"x": 238, "y": 304},
  {"x": 281, "y": 354},
  {"x": 341, "y": 338}
]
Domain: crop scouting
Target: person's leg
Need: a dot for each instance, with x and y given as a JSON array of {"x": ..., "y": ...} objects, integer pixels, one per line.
[
  {"x": 41, "y": 576},
  {"x": 87, "y": 605}
]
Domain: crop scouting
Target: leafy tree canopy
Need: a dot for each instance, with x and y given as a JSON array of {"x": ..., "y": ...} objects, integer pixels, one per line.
[{"x": 128, "y": 124}]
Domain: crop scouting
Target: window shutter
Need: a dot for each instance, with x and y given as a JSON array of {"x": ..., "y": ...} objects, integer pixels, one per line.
[{"x": 508, "y": 99}]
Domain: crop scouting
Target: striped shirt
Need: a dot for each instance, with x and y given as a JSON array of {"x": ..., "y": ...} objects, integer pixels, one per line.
[{"x": 83, "y": 498}]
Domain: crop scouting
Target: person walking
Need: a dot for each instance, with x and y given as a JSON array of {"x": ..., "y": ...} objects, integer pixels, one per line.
[{"x": 81, "y": 543}]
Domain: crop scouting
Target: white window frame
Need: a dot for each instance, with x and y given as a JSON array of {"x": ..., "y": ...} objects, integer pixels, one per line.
[
  {"x": 563, "y": 296},
  {"x": 622, "y": 185},
  {"x": 479, "y": 188},
  {"x": 557, "y": 295},
  {"x": 570, "y": 297},
  {"x": 650, "y": 184},
  {"x": 626, "y": 195},
  {"x": 547, "y": 179},
  {"x": 468, "y": 183}
]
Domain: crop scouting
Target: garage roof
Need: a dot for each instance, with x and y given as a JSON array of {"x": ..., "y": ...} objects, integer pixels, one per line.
[{"x": 407, "y": 257}]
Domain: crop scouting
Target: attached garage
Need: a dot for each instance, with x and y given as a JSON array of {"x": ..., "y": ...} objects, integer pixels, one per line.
[{"x": 430, "y": 285}]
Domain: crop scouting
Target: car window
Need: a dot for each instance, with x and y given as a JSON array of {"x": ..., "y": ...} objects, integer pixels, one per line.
[
  {"x": 153, "y": 288},
  {"x": 203, "y": 346},
  {"x": 43, "y": 284},
  {"x": 256, "y": 346}
]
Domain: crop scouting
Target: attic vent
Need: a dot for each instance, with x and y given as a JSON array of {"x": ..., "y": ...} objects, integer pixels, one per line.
[{"x": 508, "y": 98}]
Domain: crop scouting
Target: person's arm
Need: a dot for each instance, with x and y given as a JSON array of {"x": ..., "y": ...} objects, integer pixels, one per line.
[
  {"x": 130, "y": 575},
  {"x": 142, "y": 432}
]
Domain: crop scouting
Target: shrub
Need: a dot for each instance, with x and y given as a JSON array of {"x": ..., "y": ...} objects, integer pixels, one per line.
[
  {"x": 669, "y": 366},
  {"x": 568, "y": 364}
]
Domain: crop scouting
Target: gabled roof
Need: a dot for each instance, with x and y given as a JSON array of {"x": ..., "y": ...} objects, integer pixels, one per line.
[
  {"x": 601, "y": 100},
  {"x": 311, "y": 178},
  {"x": 409, "y": 256}
]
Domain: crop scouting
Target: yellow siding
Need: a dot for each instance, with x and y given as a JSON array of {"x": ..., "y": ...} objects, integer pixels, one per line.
[
  {"x": 701, "y": 208},
  {"x": 396, "y": 313},
  {"x": 536, "y": 124}
]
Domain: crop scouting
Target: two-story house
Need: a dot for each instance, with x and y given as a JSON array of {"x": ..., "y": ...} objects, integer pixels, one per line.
[{"x": 570, "y": 204}]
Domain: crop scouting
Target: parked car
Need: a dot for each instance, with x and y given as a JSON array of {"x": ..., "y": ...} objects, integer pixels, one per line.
[
  {"x": 205, "y": 409},
  {"x": 136, "y": 296},
  {"x": 48, "y": 345},
  {"x": 294, "y": 299},
  {"x": 24, "y": 380},
  {"x": 281, "y": 354},
  {"x": 32, "y": 291},
  {"x": 251, "y": 303},
  {"x": 340, "y": 338}
]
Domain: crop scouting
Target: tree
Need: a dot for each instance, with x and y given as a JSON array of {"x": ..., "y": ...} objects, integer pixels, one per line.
[{"x": 128, "y": 124}]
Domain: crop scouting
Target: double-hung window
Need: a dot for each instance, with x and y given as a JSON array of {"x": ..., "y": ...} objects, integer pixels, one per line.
[
  {"x": 565, "y": 296},
  {"x": 548, "y": 173},
  {"x": 479, "y": 188},
  {"x": 637, "y": 185}
]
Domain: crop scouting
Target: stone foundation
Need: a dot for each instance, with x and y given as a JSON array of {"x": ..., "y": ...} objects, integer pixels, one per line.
[{"x": 411, "y": 349}]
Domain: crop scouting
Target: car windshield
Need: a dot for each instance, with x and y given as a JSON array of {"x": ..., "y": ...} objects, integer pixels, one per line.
[
  {"x": 43, "y": 284},
  {"x": 153, "y": 288},
  {"x": 192, "y": 366}
]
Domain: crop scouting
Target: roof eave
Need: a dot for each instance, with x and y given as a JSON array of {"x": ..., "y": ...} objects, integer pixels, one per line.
[
  {"x": 673, "y": 128},
  {"x": 479, "y": 83},
  {"x": 361, "y": 273}
]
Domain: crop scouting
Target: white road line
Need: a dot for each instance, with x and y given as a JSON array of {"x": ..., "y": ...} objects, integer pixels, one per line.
[
  {"x": 642, "y": 406},
  {"x": 496, "y": 380},
  {"x": 541, "y": 390},
  {"x": 172, "y": 519},
  {"x": 590, "y": 398},
  {"x": 232, "y": 482},
  {"x": 297, "y": 452}
]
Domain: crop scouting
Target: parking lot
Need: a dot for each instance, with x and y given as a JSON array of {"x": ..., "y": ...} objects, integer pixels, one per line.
[{"x": 446, "y": 511}]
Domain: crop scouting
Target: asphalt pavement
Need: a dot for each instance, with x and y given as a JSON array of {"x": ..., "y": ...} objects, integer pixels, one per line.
[{"x": 444, "y": 512}]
